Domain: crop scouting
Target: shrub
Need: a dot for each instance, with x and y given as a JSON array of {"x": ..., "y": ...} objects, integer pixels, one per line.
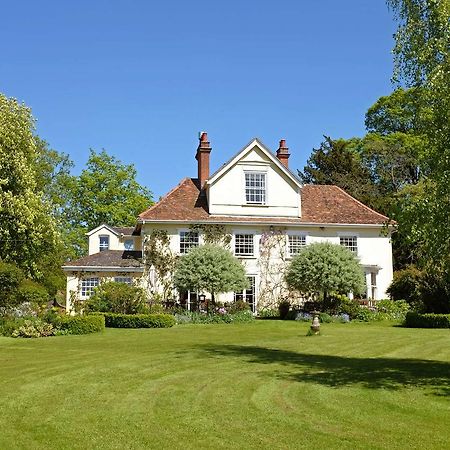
[
  {"x": 237, "y": 306},
  {"x": 406, "y": 285},
  {"x": 113, "y": 320},
  {"x": 366, "y": 315},
  {"x": 416, "y": 320},
  {"x": 33, "y": 328},
  {"x": 393, "y": 310},
  {"x": 118, "y": 298},
  {"x": 80, "y": 324},
  {"x": 268, "y": 312},
  {"x": 196, "y": 317},
  {"x": 242, "y": 316},
  {"x": 303, "y": 316},
  {"x": 349, "y": 307},
  {"x": 325, "y": 318},
  {"x": 31, "y": 292},
  {"x": 283, "y": 309}
]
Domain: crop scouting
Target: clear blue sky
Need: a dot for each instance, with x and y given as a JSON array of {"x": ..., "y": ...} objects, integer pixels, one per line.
[{"x": 141, "y": 78}]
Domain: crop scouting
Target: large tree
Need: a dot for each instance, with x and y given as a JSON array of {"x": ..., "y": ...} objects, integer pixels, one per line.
[
  {"x": 27, "y": 229},
  {"x": 106, "y": 191}
]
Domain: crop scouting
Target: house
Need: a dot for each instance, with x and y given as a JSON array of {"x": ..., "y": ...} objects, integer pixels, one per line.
[{"x": 254, "y": 205}]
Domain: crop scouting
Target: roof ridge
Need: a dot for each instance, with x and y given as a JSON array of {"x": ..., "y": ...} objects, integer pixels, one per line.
[
  {"x": 165, "y": 196},
  {"x": 357, "y": 201}
]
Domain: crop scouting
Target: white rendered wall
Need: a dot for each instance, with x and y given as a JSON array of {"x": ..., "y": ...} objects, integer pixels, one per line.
[
  {"x": 115, "y": 242},
  {"x": 227, "y": 195}
]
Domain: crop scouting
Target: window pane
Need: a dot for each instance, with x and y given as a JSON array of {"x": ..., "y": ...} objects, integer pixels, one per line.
[
  {"x": 87, "y": 286},
  {"x": 351, "y": 242},
  {"x": 129, "y": 244},
  {"x": 104, "y": 243},
  {"x": 296, "y": 243},
  {"x": 255, "y": 187},
  {"x": 243, "y": 244},
  {"x": 126, "y": 280},
  {"x": 188, "y": 239}
]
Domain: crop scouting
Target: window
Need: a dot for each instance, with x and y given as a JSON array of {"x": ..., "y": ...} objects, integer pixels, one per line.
[
  {"x": 87, "y": 286},
  {"x": 351, "y": 242},
  {"x": 296, "y": 243},
  {"x": 126, "y": 280},
  {"x": 243, "y": 245},
  {"x": 188, "y": 239},
  {"x": 129, "y": 244},
  {"x": 104, "y": 243},
  {"x": 373, "y": 285},
  {"x": 248, "y": 295},
  {"x": 255, "y": 188}
]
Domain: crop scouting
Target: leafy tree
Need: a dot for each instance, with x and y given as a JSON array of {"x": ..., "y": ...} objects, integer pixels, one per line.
[
  {"x": 422, "y": 60},
  {"x": 210, "y": 268},
  {"x": 27, "y": 229},
  {"x": 105, "y": 192},
  {"x": 324, "y": 268},
  {"x": 11, "y": 277}
]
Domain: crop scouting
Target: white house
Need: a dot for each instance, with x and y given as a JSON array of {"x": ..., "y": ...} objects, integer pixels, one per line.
[{"x": 264, "y": 211}]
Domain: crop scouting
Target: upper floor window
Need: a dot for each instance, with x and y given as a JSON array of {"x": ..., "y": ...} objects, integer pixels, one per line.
[
  {"x": 351, "y": 242},
  {"x": 126, "y": 280},
  {"x": 129, "y": 244},
  {"x": 296, "y": 243},
  {"x": 255, "y": 188},
  {"x": 188, "y": 239},
  {"x": 244, "y": 245},
  {"x": 87, "y": 286},
  {"x": 104, "y": 243}
]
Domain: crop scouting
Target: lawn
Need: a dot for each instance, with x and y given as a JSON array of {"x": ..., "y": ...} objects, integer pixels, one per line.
[{"x": 260, "y": 385}]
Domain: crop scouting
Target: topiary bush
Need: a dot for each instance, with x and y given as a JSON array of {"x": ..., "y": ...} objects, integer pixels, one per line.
[
  {"x": 113, "y": 320},
  {"x": 416, "y": 320},
  {"x": 80, "y": 324}
]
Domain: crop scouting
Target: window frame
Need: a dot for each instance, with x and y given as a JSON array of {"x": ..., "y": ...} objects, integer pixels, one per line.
[
  {"x": 264, "y": 173},
  {"x": 244, "y": 233},
  {"x": 125, "y": 244},
  {"x": 130, "y": 283},
  {"x": 348, "y": 236},
  {"x": 102, "y": 248},
  {"x": 87, "y": 291},
  {"x": 288, "y": 244},
  {"x": 180, "y": 243}
]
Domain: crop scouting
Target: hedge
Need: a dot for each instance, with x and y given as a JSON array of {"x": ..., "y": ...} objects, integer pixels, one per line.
[
  {"x": 415, "y": 320},
  {"x": 113, "y": 320},
  {"x": 81, "y": 324}
]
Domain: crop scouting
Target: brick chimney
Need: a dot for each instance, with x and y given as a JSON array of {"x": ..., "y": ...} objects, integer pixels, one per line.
[
  {"x": 202, "y": 157},
  {"x": 283, "y": 153}
]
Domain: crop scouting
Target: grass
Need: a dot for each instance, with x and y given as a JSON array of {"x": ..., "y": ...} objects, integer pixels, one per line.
[{"x": 260, "y": 385}]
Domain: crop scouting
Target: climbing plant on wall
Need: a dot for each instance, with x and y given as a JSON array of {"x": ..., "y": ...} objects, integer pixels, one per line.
[{"x": 213, "y": 234}]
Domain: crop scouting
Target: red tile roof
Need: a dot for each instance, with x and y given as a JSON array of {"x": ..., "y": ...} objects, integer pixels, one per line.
[{"x": 321, "y": 204}]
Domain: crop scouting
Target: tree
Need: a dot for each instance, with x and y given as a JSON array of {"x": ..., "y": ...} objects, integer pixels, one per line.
[
  {"x": 422, "y": 60},
  {"x": 27, "y": 229},
  {"x": 324, "y": 268},
  {"x": 105, "y": 192},
  {"x": 210, "y": 268}
]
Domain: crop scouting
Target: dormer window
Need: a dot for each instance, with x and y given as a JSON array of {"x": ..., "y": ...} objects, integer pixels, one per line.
[
  {"x": 104, "y": 243},
  {"x": 129, "y": 244},
  {"x": 255, "y": 188}
]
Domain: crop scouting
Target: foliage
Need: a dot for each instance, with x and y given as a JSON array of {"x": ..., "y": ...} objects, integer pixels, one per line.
[
  {"x": 283, "y": 308},
  {"x": 159, "y": 258},
  {"x": 210, "y": 268},
  {"x": 406, "y": 285},
  {"x": 81, "y": 324},
  {"x": 33, "y": 328},
  {"x": 326, "y": 268},
  {"x": 237, "y": 306},
  {"x": 32, "y": 292},
  {"x": 241, "y": 316},
  {"x": 117, "y": 298},
  {"x": 106, "y": 191},
  {"x": 416, "y": 320},
  {"x": 11, "y": 277},
  {"x": 367, "y": 315},
  {"x": 26, "y": 226},
  {"x": 325, "y": 318},
  {"x": 213, "y": 234},
  {"x": 393, "y": 309},
  {"x": 266, "y": 313},
  {"x": 113, "y": 320}
]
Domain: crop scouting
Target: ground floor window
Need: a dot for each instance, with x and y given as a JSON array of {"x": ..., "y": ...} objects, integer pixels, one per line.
[
  {"x": 248, "y": 295},
  {"x": 126, "y": 280},
  {"x": 189, "y": 300},
  {"x": 88, "y": 285}
]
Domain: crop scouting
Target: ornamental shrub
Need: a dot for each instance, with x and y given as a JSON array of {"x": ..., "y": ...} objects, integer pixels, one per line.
[
  {"x": 323, "y": 268},
  {"x": 237, "y": 306},
  {"x": 113, "y": 320},
  {"x": 33, "y": 328},
  {"x": 118, "y": 298},
  {"x": 31, "y": 292},
  {"x": 416, "y": 320},
  {"x": 81, "y": 324},
  {"x": 393, "y": 310},
  {"x": 11, "y": 277}
]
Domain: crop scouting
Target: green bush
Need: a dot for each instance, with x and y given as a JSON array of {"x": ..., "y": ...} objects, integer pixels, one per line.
[
  {"x": 268, "y": 313},
  {"x": 196, "y": 317},
  {"x": 237, "y": 306},
  {"x": 350, "y": 307},
  {"x": 325, "y": 318},
  {"x": 80, "y": 324},
  {"x": 33, "y": 328},
  {"x": 32, "y": 292},
  {"x": 416, "y": 320},
  {"x": 9, "y": 325},
  {"x": 393, "y": 310},
  {"x": 11, "y": 277},
  {"x": 114, "y": 320},
  {"x": 117, "y": 298},
  {"x": 283, "y": 309},
  {"x": 367, "y": 315}
]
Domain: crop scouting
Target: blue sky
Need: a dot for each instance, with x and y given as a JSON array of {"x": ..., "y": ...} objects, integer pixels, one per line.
[{"x": 142, "y": 78}]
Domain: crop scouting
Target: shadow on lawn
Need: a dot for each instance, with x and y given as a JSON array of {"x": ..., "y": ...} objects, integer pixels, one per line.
[{"x": 338, "y": 371}]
